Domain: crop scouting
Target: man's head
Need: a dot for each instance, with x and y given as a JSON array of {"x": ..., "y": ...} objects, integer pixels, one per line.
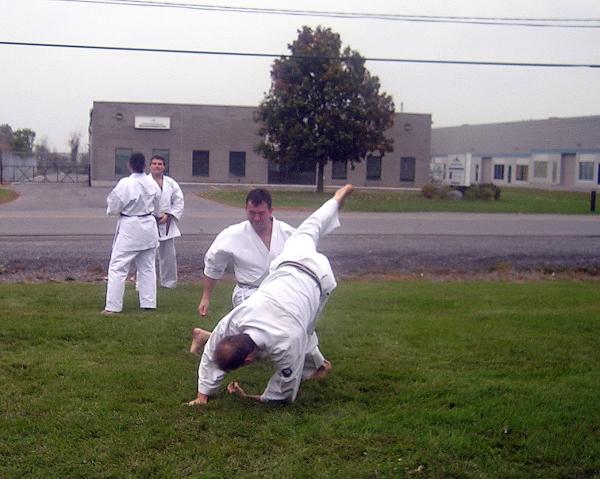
[
  {"x": 259, "y": 209},
  {"x": 157, "y": 166},
  {"x": 137, "y": 162},
  {"x": 235, "y": 351}
]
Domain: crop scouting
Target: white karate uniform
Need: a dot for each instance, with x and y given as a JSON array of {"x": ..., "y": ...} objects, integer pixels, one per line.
[
  {"x": 241, "y": 246},
  {"x": 281, "y": 316},
  {"x": 171, "y": 201},
  {"x": 135, "y": 200}
]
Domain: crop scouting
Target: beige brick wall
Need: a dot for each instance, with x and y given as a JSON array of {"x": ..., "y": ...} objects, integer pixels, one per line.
[{"x": 222, "y": 129}]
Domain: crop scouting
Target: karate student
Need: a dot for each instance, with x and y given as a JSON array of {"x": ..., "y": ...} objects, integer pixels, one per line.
[
  {"x": 134, "y": 200},
  {"x": 170, "y": 212},
  {"x": 279, "y": 319},
  {"x": 250, "y": 246}
]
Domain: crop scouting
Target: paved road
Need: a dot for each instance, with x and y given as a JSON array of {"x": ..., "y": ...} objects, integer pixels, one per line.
[{"x": 68, "y": 222}]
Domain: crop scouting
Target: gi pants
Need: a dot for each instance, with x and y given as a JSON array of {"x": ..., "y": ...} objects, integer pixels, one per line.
[
  {"x": 167, "y": 263},
  {"x": 117, "y": 274}
]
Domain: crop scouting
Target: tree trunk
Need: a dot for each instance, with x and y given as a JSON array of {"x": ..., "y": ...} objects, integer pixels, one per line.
[{"x": 320, "y": 174}]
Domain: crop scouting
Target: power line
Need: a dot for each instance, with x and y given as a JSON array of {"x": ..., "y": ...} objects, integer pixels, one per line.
[
  {"x": 278, "y": 55},
  {"x": 471, "y": 20}
]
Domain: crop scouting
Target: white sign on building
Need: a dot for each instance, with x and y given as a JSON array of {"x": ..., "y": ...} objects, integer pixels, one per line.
[{"x": 153, "y": 122}]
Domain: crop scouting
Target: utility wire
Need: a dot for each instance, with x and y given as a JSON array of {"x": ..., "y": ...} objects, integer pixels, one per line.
[
  {"x": 471, "y": 20},
  {"x": 278, "y": 55}
]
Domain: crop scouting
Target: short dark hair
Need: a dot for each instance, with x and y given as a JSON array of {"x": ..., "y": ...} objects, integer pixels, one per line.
[
  {"x": 137, "y": 162},
  {"x": 231, "y": 351},
  {"x": 159, "y": 157},
  {"x": 258, "y": 196}
]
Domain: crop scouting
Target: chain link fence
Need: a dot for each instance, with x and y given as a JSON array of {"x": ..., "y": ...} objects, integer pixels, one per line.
[{"x": 18, "y": 167}]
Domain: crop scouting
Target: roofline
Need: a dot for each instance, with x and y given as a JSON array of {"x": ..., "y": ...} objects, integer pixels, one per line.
[
  {"x": 169, "y": 104},
  {"x": 94, "y": 102},
  {"x": 553, "y": 118}
]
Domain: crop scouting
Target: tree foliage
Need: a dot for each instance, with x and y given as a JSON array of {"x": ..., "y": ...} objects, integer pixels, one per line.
[
  {"x": 74, "y": 142},
  {"x": 6, "y": 136},
  {"x": 323, "y": 106},
  {"x": 23, "y": 140}
]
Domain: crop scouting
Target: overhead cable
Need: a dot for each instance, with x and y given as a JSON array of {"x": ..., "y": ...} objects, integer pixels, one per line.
[
  {"x": 471, "y": 20},
  {"x": 279, "y": 55}
]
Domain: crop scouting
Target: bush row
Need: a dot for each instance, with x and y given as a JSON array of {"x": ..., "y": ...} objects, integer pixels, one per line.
[{"x": 484, "y": 191}]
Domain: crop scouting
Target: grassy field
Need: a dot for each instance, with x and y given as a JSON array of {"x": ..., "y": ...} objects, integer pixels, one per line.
[
  {"x": 512, "y": 200},
  {"x": 6, "y": 195},
  {"x": 436, "y": 380}
]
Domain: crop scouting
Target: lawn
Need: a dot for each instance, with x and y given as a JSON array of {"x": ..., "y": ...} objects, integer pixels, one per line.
[
  {"x": 512, "y": 200},
  {"x": 7, "y": 195},
  {"x": 436, "y": 380}
]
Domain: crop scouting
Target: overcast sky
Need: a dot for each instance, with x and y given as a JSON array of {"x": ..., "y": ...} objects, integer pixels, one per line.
[{"x": 51, "y": 90}]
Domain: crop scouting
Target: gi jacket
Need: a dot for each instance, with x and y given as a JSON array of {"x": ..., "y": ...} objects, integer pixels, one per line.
[
  {"x": 171, "y": 201},
  {"x": 134, "y": 200}
]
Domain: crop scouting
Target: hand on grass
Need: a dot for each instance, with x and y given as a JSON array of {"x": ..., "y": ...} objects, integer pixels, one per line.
[{"x": 235, "y": 388}]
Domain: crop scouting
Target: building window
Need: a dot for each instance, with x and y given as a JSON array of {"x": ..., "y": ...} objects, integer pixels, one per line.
[
  {"x": 540, "y": 169},
  {"x": 586, "y": 170},
  {"x": 237, "y": 163},
  {"x": 522, "y": 172},
  {"x": 200, "y": 163},
  {"x": 373, "y": 167},
  {"x": 339, "y": 170},
  {"x": 122, "y": 161},
  {"x": 498, "y": 172},
  {"x": 407, "y": 169},
  {"x": 165, "y": 155}
]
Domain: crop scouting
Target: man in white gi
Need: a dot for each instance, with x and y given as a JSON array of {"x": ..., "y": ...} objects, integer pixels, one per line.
[
  {"x": 250, "y": 246},
  {"x": 279, "y": 320},
  {"x": 170, "y": 211},
  {"x": 134, "y": 200}
]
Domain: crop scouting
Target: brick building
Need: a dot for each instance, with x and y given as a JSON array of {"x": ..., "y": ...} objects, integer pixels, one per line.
[{"x": 215, "y": 144}]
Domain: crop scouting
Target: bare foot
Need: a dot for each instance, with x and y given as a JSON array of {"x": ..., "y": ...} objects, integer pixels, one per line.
[
  {"x": 106, "y": 312},
  {"x": 323, "y": 371},
  {"x": 341, "y": 194},
  {"x": 201, "y": 399},
  {"x": 199, "y": 338}
]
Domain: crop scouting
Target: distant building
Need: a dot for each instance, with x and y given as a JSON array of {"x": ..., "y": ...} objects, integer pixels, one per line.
[
  {"x": 554, "y": 153},
  {"x": 216, "y": 143}
]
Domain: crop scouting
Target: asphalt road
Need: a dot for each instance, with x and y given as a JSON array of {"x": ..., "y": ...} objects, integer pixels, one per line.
[{"x": 60, "y": 231}]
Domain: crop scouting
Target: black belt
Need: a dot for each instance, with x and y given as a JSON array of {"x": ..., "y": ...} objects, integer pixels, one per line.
[
  {"x": 134, "y": 216},
  {"x": 304, "y": 269}
]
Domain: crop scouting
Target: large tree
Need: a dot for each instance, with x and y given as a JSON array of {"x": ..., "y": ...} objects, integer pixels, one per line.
[
  {"x": 6, "y": 136},
  {"x": 74, "y": 142},
  {"x": 23, "y": 140},
  {"x": 323, "y": 106}
]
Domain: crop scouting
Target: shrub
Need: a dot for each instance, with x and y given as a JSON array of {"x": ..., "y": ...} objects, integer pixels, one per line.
[
  {"x": 429, "y": 191},
  {"x": 435, "y": 190},
  {"x": 484, "y": 191}
]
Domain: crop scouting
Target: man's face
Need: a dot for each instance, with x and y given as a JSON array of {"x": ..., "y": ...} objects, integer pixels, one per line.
[
  {"x": 259, "y": 216},
  {"x": 157, "y": 167}
]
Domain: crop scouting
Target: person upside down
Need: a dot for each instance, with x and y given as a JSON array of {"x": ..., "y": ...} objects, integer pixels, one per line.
[{"x": 278, "y": 321}]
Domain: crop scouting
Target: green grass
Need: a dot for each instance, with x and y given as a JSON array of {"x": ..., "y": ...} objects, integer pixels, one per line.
[
  {"x": 7, "y": 195},
  {"x": 512, "y": 200},
  {"x": 436, "y": 380}
]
